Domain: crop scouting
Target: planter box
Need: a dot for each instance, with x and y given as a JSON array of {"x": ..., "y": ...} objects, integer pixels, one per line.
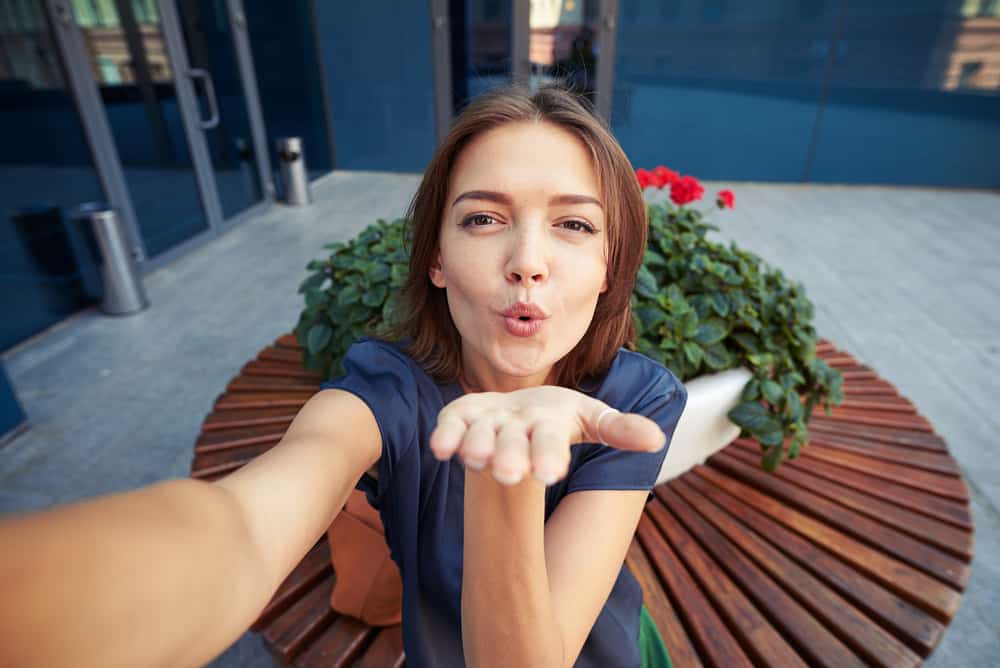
[{"x": 704, "y": 428}]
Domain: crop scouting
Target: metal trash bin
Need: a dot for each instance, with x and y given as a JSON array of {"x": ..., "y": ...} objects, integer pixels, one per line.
[
  {"x": 294, "y": 179},
  {"x": 107, "y": 244}
]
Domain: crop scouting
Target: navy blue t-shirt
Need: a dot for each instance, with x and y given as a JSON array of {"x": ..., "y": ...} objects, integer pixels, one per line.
[{"x": 420, "y": 499}]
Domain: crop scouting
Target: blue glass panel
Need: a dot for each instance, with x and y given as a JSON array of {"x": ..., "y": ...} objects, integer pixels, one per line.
[
  {"x": 45, "y": 171},
  {"x": 720, "y": 90},
  {"x": 376, "y": 59},
  {"x": 913, "y": 95}
]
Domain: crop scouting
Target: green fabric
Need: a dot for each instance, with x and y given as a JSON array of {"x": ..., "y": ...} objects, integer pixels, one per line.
[{"x": 651, "y": 648}]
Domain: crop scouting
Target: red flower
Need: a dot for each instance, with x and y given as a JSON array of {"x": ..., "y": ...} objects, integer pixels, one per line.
[
  {"x": 685, "y": 190},
  {"x": 664, "y": 176},
  {"x": 725, "y": 199},
  {"x": 645, "y": 178}
]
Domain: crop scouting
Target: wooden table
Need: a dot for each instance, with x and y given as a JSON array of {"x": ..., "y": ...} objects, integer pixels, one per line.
[{"x": 854, "y": 554}]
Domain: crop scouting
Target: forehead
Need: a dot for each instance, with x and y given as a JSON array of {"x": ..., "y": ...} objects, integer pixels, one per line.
[{"x": 525, "y": 157}]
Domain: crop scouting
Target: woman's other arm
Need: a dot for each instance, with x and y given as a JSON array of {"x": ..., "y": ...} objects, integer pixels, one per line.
[{"x": 173, "y": 573}]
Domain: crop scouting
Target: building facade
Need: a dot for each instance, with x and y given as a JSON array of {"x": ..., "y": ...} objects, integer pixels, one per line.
[{"x": 169, "y": 109}]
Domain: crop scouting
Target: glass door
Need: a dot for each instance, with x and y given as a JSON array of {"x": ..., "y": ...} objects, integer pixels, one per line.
[
  {"x": 185, "y": 124},
  {"x": 219, "y": 65},
  {"x": 128, "y": 56}
]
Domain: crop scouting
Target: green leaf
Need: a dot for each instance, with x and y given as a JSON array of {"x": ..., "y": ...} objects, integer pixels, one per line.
[
  {"x": 748, "y": 341},
  {"x": 753, "y": 417},
  {"x": 751, "y": 391},
  {"x": 315, "y": 298},
  {"x": 772, "y": 391},
  {"x": 654, "y": 259},
  {"x": 377, "y": 273},
  {"x": 719, "y": 303},
  {"x": 314, "y": 282},
  {"x": 348, "y": 295},
  {"x": 688, "y": 324},
  {"x": 693, "y": 352},
  {"x": 645, "y": 283},
  {"x": 650, "y": 317},
  {"x": 711, "y": 331},
  {"x": 375, "y": 296},
  {"x": 717, "y": 357},
  {"x": 319, "y": 336},
  {"x": 771, "y": 458}
]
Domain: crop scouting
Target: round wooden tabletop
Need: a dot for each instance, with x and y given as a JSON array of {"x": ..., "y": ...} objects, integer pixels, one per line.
[{"x": 856, "y": 553}]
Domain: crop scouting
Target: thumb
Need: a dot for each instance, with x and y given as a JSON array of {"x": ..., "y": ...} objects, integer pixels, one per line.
[{"x": 625, "y": 431}]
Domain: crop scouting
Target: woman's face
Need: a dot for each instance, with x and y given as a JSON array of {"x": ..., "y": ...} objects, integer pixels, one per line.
[{"x": 523, "y": 253}]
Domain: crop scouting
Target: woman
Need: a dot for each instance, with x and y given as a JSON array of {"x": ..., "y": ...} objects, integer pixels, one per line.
[{"x": 528, "y": 232}]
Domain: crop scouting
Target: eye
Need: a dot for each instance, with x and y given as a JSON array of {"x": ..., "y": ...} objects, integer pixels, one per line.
[
  {"x": 478, "y": 220},
  {"x": 579, "y": 226}
]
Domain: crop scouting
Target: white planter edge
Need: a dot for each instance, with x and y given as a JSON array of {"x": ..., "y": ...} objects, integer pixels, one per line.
[{"x": 704, "y": 427}]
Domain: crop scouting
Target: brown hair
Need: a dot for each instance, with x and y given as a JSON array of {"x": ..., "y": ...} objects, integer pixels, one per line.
[{"x": 425, "y": 319}]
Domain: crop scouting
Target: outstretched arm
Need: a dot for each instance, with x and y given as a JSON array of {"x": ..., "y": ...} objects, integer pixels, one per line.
[{"x": 173, "y": 573}]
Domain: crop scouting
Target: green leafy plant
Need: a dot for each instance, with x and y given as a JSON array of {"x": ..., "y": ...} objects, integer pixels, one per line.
[
  {"x": 351, "y": 294},
  {"x": 700, "y": 307}
]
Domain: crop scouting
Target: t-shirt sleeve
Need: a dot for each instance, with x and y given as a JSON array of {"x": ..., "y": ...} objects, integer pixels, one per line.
[
  {"x": 604, "y": 467},
  {"x": 381, "y": 376}
]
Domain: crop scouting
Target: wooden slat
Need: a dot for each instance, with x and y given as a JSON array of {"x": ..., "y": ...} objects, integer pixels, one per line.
[
  {"x": 800, "y": 629},
  {"x": 270, "y": 384},
  {"x": 339, "y": 645},
  {"x": 222, "y": 440},
  {"x": 258, "y": 368},
  {"x": 229, "y": 418},
  {"x": 872, "y": 421},
  {"x": 914, "y": 626},
  {"x": 238, "y": 399},
  {"x": 869, "y": 640},
  {"x": 288, "y": 341},
  {"x": 930, "y": 505},
  {"x": 284, "y": 355},
  {"x": 756, "y": 635},
  {"x": 938, "y": 462},
  {"x": 682, "y": 651},
  {"x": 716, "y": 645},
  {"x": 918, "y": 554},
  {"x": 302, "y": 622},
  {"x": 925, "y": 591},
  {"x": 888, "y": 435},
  {"x": 220, "y": 457},
  {"x": 246, "y": 401},
  {"x": 313, "y": 568},
  {"x": 948, "y": 487},
  {"x": 386, "y": 651},
  {"x": 944, "y": 537}
]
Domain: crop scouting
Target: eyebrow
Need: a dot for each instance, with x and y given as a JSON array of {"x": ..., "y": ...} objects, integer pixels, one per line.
[{"x": 502, "y": 198}]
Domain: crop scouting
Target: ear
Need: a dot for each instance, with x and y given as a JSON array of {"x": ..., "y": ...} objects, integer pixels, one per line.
[
  {"x": 604, "y": 285},
  {"x": 436, "y": 274}
]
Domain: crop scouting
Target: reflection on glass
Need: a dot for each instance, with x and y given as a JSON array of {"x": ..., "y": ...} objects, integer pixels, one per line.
[
  {"x": 210, "y": 47},
  {"x": 45, "y": 171},
  {"x": 804, "y": 90},
  {"x": 480, "y": 48},
  {"x": 283, "y": 41},
  {"x": 563, "y": 43},
  {"x": 129, "y": 60}
]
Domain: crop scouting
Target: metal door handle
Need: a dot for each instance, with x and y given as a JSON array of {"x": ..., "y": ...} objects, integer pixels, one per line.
[{"x": 213, "y": 104}]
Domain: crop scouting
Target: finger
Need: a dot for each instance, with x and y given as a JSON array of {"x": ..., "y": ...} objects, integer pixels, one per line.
[
  {"x": 511, "y": 459},
  {"x": 550, "y": 441},
  {"x": 479, "y": 442},
  {"x": 627, "y": 431},
  {"x": 447, "y": 435}
]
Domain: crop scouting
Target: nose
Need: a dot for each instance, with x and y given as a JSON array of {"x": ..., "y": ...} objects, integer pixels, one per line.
[{"x": 527, "y": 258}]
